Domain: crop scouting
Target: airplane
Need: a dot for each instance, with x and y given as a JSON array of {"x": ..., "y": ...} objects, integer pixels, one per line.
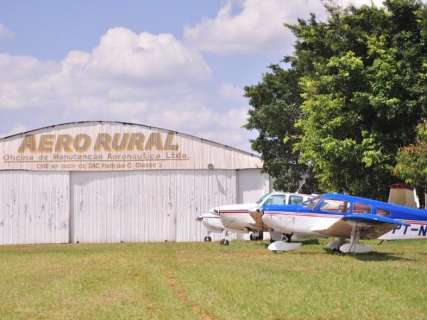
[
  {"x": 344, "y": 217},
  {"x": 237, "y": 217}
]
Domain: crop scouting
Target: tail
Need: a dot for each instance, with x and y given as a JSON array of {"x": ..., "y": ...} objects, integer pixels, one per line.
[{"x": 404, "y": 195}]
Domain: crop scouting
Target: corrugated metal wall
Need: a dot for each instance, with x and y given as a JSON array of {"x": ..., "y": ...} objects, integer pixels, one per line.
[
  {"x": 252, "y": 184},
  {"x": 198, "y": 192},
  {"x": 122, "y": 206},
  {"x": 34, "y": 207},
  {"x": 144, "y": 206},
  {"x": 131, "y": 206}
]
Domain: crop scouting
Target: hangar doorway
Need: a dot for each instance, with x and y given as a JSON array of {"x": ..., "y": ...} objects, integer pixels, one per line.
[{"x": 141, "y": 206}]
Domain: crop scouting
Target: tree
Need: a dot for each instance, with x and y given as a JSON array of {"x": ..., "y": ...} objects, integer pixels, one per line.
[
  {"x": 411, "y": 164},
  {"x": 361, "y": 81},
  {"x": 275, "y": 108}
]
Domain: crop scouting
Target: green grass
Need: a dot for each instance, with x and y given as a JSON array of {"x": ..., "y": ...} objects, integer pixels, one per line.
[{"x": 209, "y": 281}]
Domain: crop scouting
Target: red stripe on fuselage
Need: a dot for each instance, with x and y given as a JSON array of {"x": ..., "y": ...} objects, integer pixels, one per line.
[
  {"x": 415, "y": 222},
  {"x": 317, "y": 215},
  {"x": 233, "y": 211}
]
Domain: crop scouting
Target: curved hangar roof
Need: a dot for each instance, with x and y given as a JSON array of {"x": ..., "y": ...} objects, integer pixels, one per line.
[{"x": 106, "y": 146}]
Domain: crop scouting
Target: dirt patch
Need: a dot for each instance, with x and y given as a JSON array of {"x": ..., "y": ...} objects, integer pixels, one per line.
[{"x": 182, "y": 296}]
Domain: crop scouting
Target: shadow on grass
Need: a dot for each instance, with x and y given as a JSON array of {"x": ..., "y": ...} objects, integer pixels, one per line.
[{"x": 372, "y": 256}]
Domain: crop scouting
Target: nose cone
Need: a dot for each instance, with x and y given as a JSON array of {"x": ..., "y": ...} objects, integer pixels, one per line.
[{"x": 215, "y": 211}]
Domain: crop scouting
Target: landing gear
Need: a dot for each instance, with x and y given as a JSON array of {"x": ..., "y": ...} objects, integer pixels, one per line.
[
  {"x": 226, "y": 240},
  {"x": 354, "y": 246},
  {"x": 258, "y": 235},
  {"x": 336, "y": 244},
  {"x": 279, "y": 246},
  {"x": 208, "y": 238},
  {"x": 288, "y": 237}
]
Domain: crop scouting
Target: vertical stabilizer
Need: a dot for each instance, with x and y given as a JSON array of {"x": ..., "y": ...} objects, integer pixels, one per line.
[{"x": 403, "y": 194}]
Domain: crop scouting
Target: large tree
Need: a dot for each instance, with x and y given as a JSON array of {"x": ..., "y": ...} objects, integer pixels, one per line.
[
  {"x": 411, "y": 164},
  {"x": 276, "y": 105},
  {"x": 358, "y": 92}
]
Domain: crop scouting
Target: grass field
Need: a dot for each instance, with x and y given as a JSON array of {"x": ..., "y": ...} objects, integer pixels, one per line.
[{"x": 209, "y": 281}]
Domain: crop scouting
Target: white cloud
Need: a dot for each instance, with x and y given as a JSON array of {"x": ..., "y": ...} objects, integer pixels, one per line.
[
  {"x": 253, "y": 26},
  {"x": 231, "y": 91},
  {"x": 5, "y": 33},
  {"x": 123, "y": 63},
  {"x": 122, "y": 52},
  {"x": 144, "y": 78}
]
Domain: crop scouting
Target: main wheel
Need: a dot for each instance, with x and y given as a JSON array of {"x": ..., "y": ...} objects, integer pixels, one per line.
[
  {"x": 226, "y": 242},
  {"x": 207, "y": 239}
]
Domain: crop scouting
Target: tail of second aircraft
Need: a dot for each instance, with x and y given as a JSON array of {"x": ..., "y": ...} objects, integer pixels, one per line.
[{"x": 404, "y": 195}]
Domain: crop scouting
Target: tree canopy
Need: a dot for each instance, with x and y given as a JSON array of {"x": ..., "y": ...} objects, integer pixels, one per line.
[
  {"x": 349, "y": 97},
  {"x": 411, "y": 164}
]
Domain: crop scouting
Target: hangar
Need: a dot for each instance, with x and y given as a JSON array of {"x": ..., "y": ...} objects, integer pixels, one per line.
[{"x": 100, "y": 181}]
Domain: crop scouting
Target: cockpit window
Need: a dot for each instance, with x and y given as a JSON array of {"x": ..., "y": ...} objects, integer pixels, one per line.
[
  {"x": 360, "y": 208},
  {"x": 296, "y": 199},
  {"x": 383, "y": 212},
  {"x": 334, "y": 206},
  {"x": 276, "y": 199},
  {"x": 312, "y": 203},
  {"x": 262, "y": 198}
]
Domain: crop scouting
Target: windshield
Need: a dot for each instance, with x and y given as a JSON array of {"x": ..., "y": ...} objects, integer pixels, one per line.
[
  {"x": 262, "y": 198},
  {"x": 312, "y": 203}
]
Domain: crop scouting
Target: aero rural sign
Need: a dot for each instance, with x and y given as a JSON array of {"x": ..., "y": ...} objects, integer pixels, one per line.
[
  {"x": 92, "y": 151},
  {"x": 109, "y": 146}
]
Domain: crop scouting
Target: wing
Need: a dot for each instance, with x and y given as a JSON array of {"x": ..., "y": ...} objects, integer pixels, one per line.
[{"x": 371, "y": 226}]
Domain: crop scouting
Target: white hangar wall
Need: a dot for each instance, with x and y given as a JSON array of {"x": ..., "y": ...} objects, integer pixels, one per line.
[
  {"x": 87, "y": 190},
  {"x": 34, "y": 207}
]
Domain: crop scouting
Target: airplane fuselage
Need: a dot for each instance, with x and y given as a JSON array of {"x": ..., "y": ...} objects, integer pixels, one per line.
[{"x": 333, "y": 223}]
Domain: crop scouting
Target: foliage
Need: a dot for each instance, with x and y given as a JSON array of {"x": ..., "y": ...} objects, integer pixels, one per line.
[
  {"x": 362, "y": 82},
  {"x": 276, "y": 106},
  {"x": 412, "y": 161}
]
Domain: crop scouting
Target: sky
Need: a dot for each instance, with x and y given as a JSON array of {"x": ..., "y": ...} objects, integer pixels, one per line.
[{"x": 180, "y": 65}]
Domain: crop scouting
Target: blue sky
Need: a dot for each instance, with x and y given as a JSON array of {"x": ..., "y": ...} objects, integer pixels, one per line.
[{"x": 180, "y": 65}]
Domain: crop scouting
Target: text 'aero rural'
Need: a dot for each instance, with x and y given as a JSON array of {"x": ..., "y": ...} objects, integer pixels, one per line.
[{"x": 103, "y": 142}]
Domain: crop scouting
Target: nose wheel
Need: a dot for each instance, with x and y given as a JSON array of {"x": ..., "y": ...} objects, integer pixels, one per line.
[
  {"x": 258, "y": 235},
  {"x": 225, "y": 241},
  {"x": 207, "y": 239}
]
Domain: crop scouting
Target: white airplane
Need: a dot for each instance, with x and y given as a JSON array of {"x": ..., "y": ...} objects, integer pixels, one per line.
[{"x": 238, "y": 217}]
